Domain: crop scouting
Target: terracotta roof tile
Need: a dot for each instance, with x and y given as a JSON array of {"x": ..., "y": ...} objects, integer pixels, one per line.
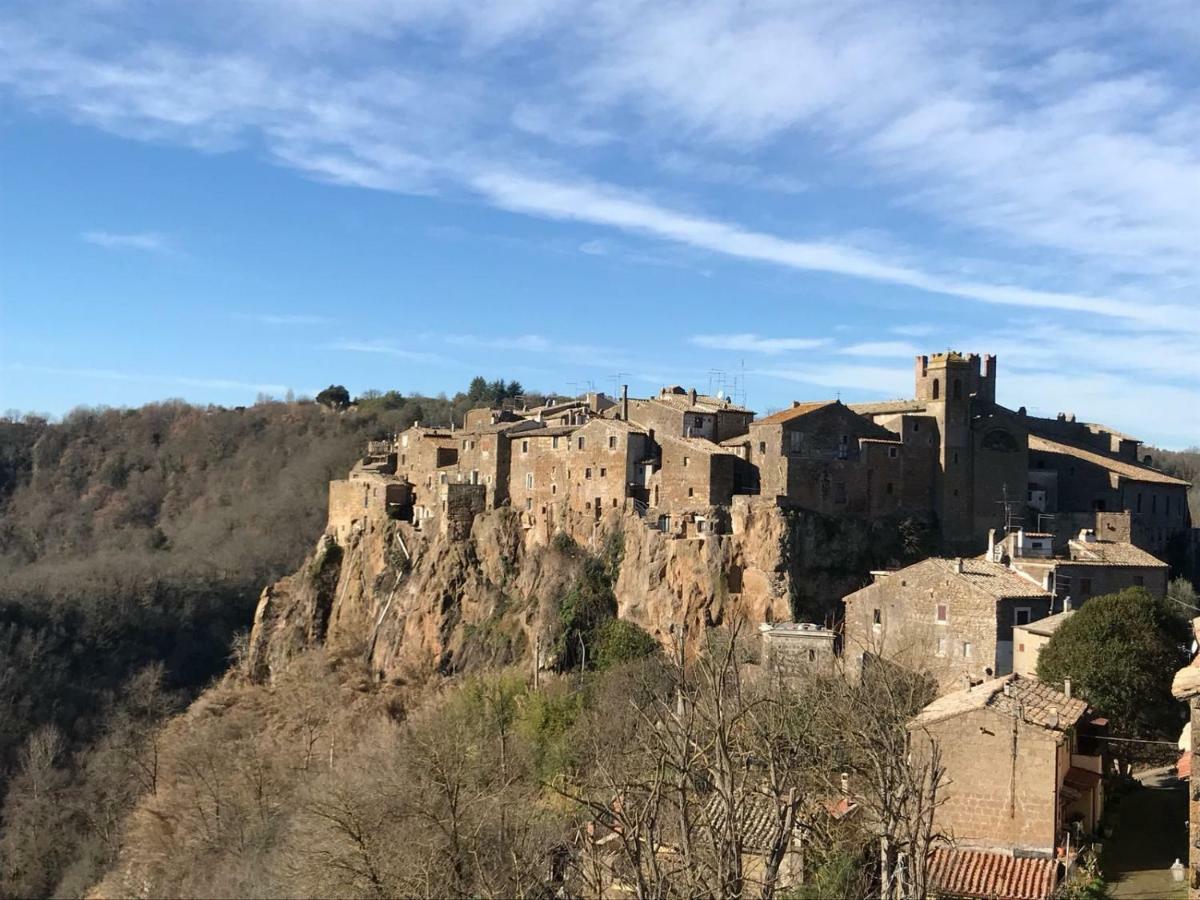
[
  {"x": 1112, "y": 553},
  {"x": 1123, "y": 468},
  {"x": 999, "y": 581},
  {"x": 884, "y": 407},
  {"x": 794, "y": 412},
  {"x": 1033, "y": 699},
  {"x": 976, "y": 873}
]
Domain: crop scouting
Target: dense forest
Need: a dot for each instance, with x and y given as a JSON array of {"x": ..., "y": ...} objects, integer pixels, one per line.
[{"x": 133, "y": 546}]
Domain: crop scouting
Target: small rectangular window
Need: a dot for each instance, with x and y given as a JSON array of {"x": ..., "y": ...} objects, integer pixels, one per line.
[
  {"x": 691, "y": 492},
  {"x": 943, "y": 613},
  {"x": 603, "y": 472},
  {"x": 889, "y": 487},
  {"x": 1139, "y": 581},
  {"x": 762, "y": 446},
  {"x": 893, "y": 452},
  {"x": 612, "y": 442},
  {"x": 554, "y": 489},
  {"x": 1021, "y": 615},
  {"x": 966, "y": 649},
  {"x": 877, "y": 617},
  {"x": 916, "y": 426},
  {"x": 587, "y": 473},
  {"x": 580, "y": 443},
  {"x": 529, "y": 480},
  {"x": 685, "y": 462},
  {"x": 524, "y": 446},
  {"x": 529, "y": 503}
]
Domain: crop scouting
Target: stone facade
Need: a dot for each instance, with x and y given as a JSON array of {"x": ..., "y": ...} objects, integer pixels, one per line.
[
  {"x": 792, "y": 651},
  {"x": 950, "y": 618},
  {"x": 1019, "y": 767}
]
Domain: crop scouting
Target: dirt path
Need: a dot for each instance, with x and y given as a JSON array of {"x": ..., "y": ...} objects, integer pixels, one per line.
[{"x": 1149, "y": 837}]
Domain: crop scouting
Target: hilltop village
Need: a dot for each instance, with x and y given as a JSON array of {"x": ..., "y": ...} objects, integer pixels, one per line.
[
  {"x": 951, "y": 457},
  {"x": 1031, "y": 517}
]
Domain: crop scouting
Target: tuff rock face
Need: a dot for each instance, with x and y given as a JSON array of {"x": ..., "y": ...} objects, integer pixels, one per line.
[{"x": 419, "y": 605}]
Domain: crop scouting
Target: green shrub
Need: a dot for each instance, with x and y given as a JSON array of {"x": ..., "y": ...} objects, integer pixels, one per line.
[{"x": 619, "y": 641}]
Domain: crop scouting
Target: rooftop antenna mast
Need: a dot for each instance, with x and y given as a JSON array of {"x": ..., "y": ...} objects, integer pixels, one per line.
[
  {"x": 619, "y": 378},
  {"x": 1010, "y": 518}
]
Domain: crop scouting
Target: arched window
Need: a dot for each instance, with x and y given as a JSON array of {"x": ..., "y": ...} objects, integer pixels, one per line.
[
  {"x": 999, "y": 439},
  {"x": 937, "y": 389},
  {"x": 957, "y": 388}
]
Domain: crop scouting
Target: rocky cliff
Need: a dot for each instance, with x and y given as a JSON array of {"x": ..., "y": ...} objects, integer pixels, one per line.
[{"x": 415, "y": 605}]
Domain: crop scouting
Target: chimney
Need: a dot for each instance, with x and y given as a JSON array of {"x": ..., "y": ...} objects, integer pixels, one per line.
[
  {"x": 1052, "y": 717},
  {"x": 692, "y": 396},
  {"x": 624, "y": 403},
  {"x": 846, "y": 785},
  {"x": 966, "y": 681},
  {"x": 991, "y": 551},
  {"x": 1067, "y": 688},
  {"x": 1067, "y": 603},
  {"x": 958, "y": 565}
]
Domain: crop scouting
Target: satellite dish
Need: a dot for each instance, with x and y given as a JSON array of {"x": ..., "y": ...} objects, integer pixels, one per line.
[{"x": 721, "y": 395}]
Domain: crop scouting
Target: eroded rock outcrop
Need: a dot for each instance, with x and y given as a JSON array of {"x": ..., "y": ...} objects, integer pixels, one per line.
[{"x": 416, "y": 605}]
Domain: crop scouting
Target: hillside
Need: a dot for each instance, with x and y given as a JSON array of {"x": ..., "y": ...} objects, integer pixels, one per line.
[{"x": 133, "y": 545}]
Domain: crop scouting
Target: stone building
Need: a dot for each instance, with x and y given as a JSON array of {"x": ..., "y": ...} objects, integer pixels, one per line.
[
  {"x": 826, "y": 457},
  {"x": 1085, "y": 567},
  {"x": 1075, "y": 483},
  {"x": 792, "y": 650},
  {"x": 951, "y": 618},
  {"x": 692, "y": 474},
  {"x": 980, "y": 448},
  {"x": 686, "y": 413},
  {"x": 1030, "y": 638},
  {"x": 1022, "y": 766}
]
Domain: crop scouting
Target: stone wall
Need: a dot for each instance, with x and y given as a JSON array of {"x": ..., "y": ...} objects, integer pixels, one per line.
[
  {"x": 1001, "y": 782},
  {"x": 463, "y": 503},
  {"x": 896, "y": 619}
]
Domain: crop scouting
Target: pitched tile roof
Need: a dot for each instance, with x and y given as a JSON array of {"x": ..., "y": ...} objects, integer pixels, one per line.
[
  {"x": 977, "y": 873},
  {"x": 884, "y": 407},
  {"x": 1033, "y": 700},
  {"x": 1112, "y": 553},
  {"x": 758, "y": 815},
  {"x": 704, "y": 403},
  {"x": 999, "y": 581},
  {"x": 1038, "y": 702},
  {"x": 1047, "y": 626},
  {"x": 1120, "y": 467},
  {"x": 794, "y": 412}
]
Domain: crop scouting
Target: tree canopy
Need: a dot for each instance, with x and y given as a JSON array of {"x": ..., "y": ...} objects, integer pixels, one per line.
[
  {"x": 335, "y": 396},
  {"x": 1121, "y": 652}
]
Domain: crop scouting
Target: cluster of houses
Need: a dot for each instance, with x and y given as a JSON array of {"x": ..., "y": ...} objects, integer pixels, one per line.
[
  {"x": 1023, "y": 759},
  {"x": 951, "y": 456}
]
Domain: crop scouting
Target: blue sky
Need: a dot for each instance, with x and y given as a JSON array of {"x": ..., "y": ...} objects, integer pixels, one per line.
[{"x": 213, "y": 200}]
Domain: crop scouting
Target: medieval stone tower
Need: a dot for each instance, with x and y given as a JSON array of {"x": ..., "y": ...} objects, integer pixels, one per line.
[{"x": 953, "y": 386}]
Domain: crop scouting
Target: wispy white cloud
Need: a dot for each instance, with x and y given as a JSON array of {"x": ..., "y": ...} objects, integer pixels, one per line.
[
  {"x": 753, "y": 343},
  {"x": 385, "y": 348},
  {"x": 603, "y": 205},
  {"x": 217, "y": 384},
  {"x": 283, "y": 318},
  {"x": 915, "y": 330},
  {"x": 150, "y": 241},
  {"x": 900, "y": 349}
]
